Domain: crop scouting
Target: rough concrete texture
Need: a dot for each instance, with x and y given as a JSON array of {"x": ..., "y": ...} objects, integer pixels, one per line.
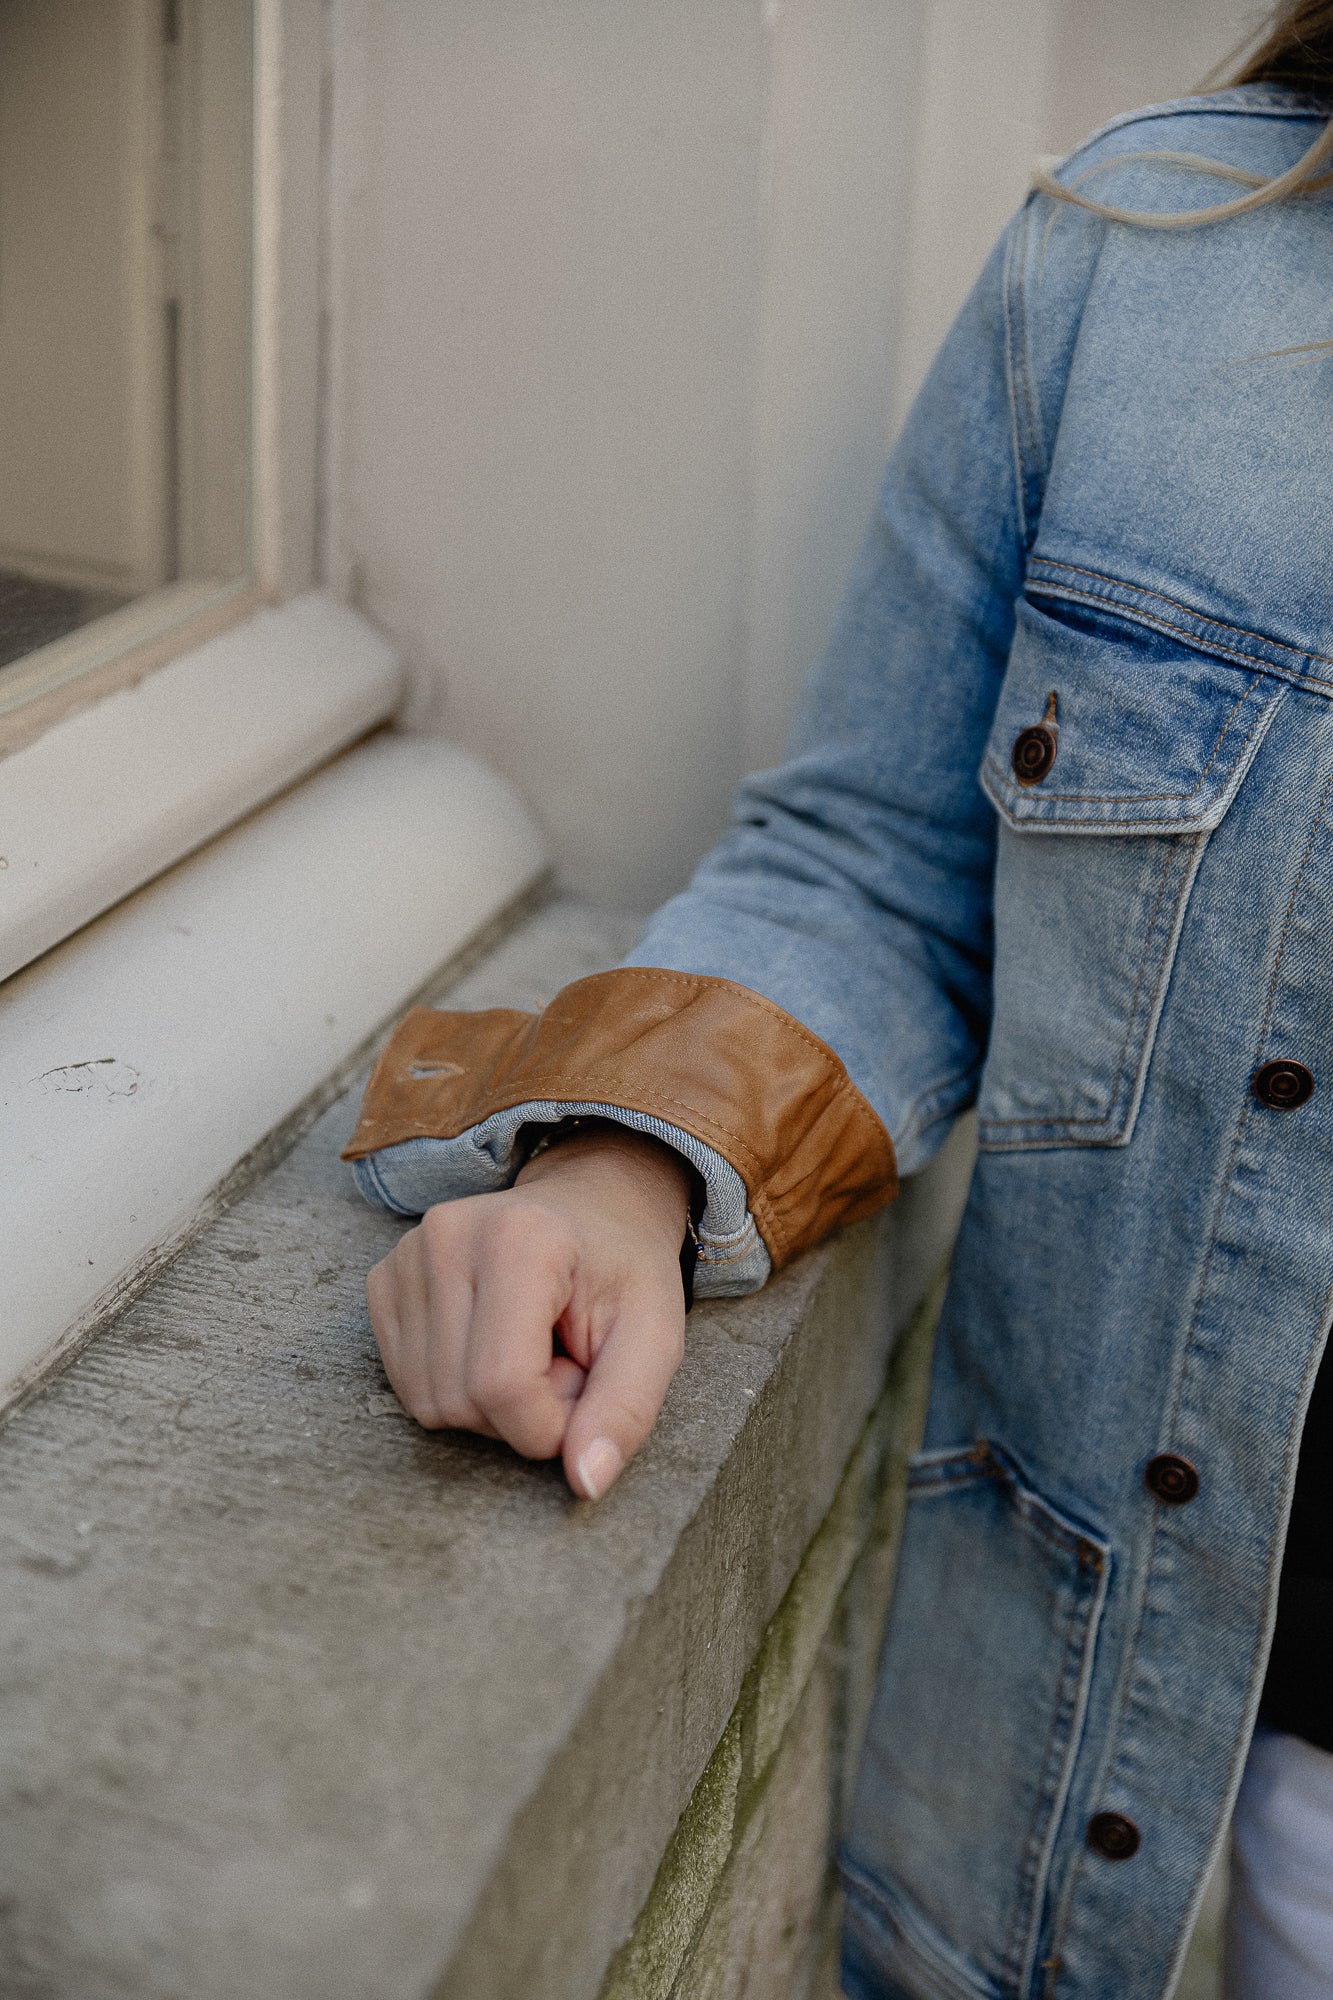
[
  {"x": 297, "y": 1700},
  {"x": 745, "y": 1903}
]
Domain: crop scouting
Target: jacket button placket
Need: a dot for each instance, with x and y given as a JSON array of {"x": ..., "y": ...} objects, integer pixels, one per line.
[
  {"x": 1172, "y": 1479},
  {"x": 1113, "y": 1835},
  {"x": 1283, "y": 1085}
]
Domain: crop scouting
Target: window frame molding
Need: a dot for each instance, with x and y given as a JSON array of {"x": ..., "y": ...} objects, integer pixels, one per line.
[
  {"x": 153, "y": 1064},
  {"x": 111, "y": 796},
  {"x": 289, "y": 243},
  {"x": 130, "y": 691},
  {"x": 115, "y": 652},
  {"x": 170, "y": 1040}
]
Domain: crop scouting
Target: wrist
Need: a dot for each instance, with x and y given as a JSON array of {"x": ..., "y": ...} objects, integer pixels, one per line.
[{"x": 604, "y": 1158}]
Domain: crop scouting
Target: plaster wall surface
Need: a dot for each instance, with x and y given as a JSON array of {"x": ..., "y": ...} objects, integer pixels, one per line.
[{"x": 621, "y": 301}]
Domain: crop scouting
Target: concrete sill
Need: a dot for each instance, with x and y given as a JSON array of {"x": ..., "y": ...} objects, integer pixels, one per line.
[
  {"x": 144, "y": 1060},
  {"x": 304, "y": 1702}
]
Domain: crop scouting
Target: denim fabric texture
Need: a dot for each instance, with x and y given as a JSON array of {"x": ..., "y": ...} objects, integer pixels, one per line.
[
  {"x": 411, "y": 1177},
  {"x": 1114, "y": 491}
]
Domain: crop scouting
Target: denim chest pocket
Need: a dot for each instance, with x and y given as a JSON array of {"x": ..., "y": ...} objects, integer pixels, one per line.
[{"x": 1114, "y": 754}]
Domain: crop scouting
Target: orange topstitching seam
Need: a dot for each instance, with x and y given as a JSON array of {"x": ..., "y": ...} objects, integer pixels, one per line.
[
  {"x": 1159, "y": 597},
  {"x": 664, "y": 976},
  {"x": 1144, "y": 798},
  {"x": 1141, "y": 826}
]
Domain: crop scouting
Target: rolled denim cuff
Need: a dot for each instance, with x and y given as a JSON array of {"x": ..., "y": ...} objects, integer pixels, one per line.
[
  {"x": 412, "y": 1176},
  {"x": 786, "y": 1146}
]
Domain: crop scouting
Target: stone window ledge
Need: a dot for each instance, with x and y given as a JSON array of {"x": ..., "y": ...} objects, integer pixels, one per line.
[
  {"x": 143, "y": 1061},
  {"x": 303, "y": 1701},
  {"x": 108, "y": 797}
]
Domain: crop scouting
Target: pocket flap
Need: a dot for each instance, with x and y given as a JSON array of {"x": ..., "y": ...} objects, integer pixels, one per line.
[{"x": 1105, "y": 726}]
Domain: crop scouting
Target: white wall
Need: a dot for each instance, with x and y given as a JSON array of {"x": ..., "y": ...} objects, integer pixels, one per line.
[
  {"x": 627, "y": 298},
  {"x": 623, "y": 303},
  {"x": 832, "y": 224}
]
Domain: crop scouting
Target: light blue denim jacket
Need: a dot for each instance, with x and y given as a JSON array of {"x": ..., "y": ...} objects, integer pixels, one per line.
[{"x": 1112, "y": 491}]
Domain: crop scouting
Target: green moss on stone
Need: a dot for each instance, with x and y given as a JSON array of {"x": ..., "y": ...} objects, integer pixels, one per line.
[
  {"x": 866, "y": 1510},
  {"x": 645, "y": 1967}
]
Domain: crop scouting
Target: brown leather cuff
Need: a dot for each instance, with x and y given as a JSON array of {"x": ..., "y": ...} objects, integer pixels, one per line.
[{"x": 715, "y": 1059}]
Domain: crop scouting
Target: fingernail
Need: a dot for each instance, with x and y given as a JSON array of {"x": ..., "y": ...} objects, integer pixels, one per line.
[{"x": 599, "y": 1467}]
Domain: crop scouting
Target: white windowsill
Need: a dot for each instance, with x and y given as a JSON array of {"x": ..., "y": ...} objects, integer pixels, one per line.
[
  {"x": 95, "y": 648},
  {"x": 108, "y": 797},
  {"x": 144, "y": 1058}
]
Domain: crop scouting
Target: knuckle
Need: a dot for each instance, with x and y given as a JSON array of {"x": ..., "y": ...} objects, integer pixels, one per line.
[
  {"x": 384, "y": 1327},
  {"x": 493, "y": 1383},
  {"x": 521, "y": 1230},
  {"x": 439, "y": 1225},
  {"x": 503, "y": 1396},
  {"x": 439, "y": 1407}
]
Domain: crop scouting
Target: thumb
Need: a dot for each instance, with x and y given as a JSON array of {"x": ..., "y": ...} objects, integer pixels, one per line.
[{"x": 626, "y": 1388}]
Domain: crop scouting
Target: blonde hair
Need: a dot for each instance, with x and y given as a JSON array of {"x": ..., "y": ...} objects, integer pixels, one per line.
[{"x": 1295, "y": 49}]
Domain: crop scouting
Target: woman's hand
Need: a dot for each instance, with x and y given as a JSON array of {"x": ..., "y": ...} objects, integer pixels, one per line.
[{"x": 551, "y": 1315}]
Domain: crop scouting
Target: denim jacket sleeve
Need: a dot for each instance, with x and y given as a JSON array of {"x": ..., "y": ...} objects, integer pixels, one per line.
[{"x": 810, "y": 1014}]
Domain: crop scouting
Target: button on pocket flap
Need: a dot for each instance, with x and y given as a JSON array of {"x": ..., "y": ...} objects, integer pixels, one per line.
[{"x": 1105, "y": 726}]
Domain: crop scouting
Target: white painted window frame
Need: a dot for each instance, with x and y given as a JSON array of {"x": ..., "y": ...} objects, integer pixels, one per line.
[
  {"x": 139, "y": 677},
  {"x": 150, "y": 1053},
  {"x": 106, "y": 799},
  {"x": 147, "y": 1060}
]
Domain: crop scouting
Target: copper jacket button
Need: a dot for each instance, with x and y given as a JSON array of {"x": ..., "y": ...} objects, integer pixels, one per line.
[
  {"x": 1282, "y": 1086},
  {"x": 1033, "y": 754},
  {"x": 1113, "y": 1835},
  {"x": 1174, "y": 1480}
]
